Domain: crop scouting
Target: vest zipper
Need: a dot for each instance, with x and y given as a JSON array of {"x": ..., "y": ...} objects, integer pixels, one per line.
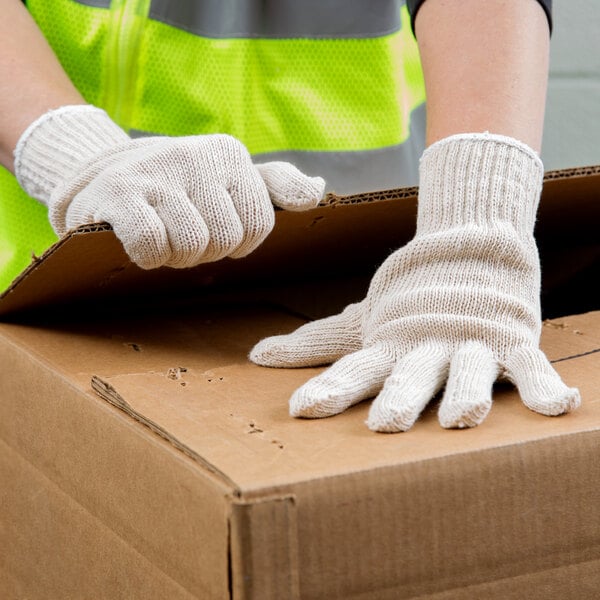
[{"x": 126, "y": 26}]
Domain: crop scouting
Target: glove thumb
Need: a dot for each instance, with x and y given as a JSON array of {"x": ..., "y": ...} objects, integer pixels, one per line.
[
  {"x": 289, "y": 188},
  {"x": 316, "y": 343}
]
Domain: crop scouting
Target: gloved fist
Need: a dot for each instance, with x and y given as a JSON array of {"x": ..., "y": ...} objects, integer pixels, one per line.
[
  {"x": 175, "y": 202},
  {"x": 457, "y": 307}
]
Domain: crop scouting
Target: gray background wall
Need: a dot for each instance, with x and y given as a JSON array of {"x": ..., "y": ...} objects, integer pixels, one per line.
[{"x": 572, "y": 126}]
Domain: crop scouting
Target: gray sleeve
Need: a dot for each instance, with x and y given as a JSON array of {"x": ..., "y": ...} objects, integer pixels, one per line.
[{"x": 414, "y": 5}]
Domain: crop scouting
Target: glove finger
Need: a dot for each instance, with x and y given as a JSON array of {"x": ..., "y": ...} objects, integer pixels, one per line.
[
  {"x": 225, "y": 229},
  {"x": 229, "y": 182},
  {"x": 136, "y": 225},
  {"x": 541, "y": 388},
  {"x": 353, "y": 378},
  {"x": 254, "y": 208},
  {"x": 289, "y": 188},
  {"x": 468, "y": 396},
  {"x": 414, "y": 381},
  {"x": 316, "y": 343},
  {"x": 187, "y": 232}
]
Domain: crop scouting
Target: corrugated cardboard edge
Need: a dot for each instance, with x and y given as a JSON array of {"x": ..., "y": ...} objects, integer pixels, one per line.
[
  {"x": 38, "y": 260},
  {"x": 91, "y": 264}
]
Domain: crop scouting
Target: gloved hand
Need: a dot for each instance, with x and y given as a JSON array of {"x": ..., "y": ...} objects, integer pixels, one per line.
[
  {"x": 457, "y": 306},
  {"x": 171, "y": 201}
]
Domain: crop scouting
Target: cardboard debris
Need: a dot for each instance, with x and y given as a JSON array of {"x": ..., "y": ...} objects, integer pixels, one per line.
[{"x": 143, "y": 456}]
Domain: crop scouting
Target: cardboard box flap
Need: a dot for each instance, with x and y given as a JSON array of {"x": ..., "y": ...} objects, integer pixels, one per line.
[
  {"x": 257, "y": 445},
  {"x": 90, "y": 263},
  {"x": 345, "y": 236}
]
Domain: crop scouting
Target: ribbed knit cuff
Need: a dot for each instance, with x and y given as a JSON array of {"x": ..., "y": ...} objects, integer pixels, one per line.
[
  {"x": 478, "y": 179},
  {"x": 56, "y": 146}
]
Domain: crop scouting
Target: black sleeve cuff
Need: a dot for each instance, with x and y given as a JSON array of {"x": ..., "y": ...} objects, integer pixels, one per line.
[{"x": 414, "y": 5}]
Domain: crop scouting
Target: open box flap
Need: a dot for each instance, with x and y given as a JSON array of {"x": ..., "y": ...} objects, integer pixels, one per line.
[{"x": 344, "y": 236}]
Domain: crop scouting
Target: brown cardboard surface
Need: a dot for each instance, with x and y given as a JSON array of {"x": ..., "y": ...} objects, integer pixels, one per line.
[
  {"x": 93, "y": 509},
  {"x": 143, "y": 456},
  {"x": 212, "y": 479}
]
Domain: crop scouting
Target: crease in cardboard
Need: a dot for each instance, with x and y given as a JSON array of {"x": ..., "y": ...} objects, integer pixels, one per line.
[
  {"x": 109, "y": 393},
  {"x": 454, "y": 478},
  {"x": 573, "y": 356}
]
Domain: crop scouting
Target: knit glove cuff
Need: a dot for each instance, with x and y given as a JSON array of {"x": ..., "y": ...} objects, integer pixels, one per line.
[
  {"x": 470, "y": 183},
  {"x": 57, "y": 145}
]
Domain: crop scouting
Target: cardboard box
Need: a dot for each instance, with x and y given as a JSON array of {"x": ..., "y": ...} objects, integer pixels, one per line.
[{"x": 143, "y": 456}]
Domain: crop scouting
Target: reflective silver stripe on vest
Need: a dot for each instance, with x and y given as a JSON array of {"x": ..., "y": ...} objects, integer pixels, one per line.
[
  {"x": 358, "y": 171},
  {"x": 367, "y": 170},
  {"x": 94, "y": 3},
  {"x": 280, "y": 18}
]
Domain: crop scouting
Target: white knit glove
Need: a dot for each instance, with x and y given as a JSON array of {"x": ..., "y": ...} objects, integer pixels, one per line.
[
  {"x": 176, "y": 202},
  {"x": 457, "y": 306}
]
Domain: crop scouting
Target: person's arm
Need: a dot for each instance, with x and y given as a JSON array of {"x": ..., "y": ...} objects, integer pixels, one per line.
[
  {"x": 458, "y": 307},
  {"x": 32, "y": 80},
  {"x": 171, "y": 201},
  {"x": 485, "y": 66}
]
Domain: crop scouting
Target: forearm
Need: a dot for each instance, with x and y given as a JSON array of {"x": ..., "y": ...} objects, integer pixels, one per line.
[
  {"x": 485, "y": 66},
  {"x": 31, "y": 78}
]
